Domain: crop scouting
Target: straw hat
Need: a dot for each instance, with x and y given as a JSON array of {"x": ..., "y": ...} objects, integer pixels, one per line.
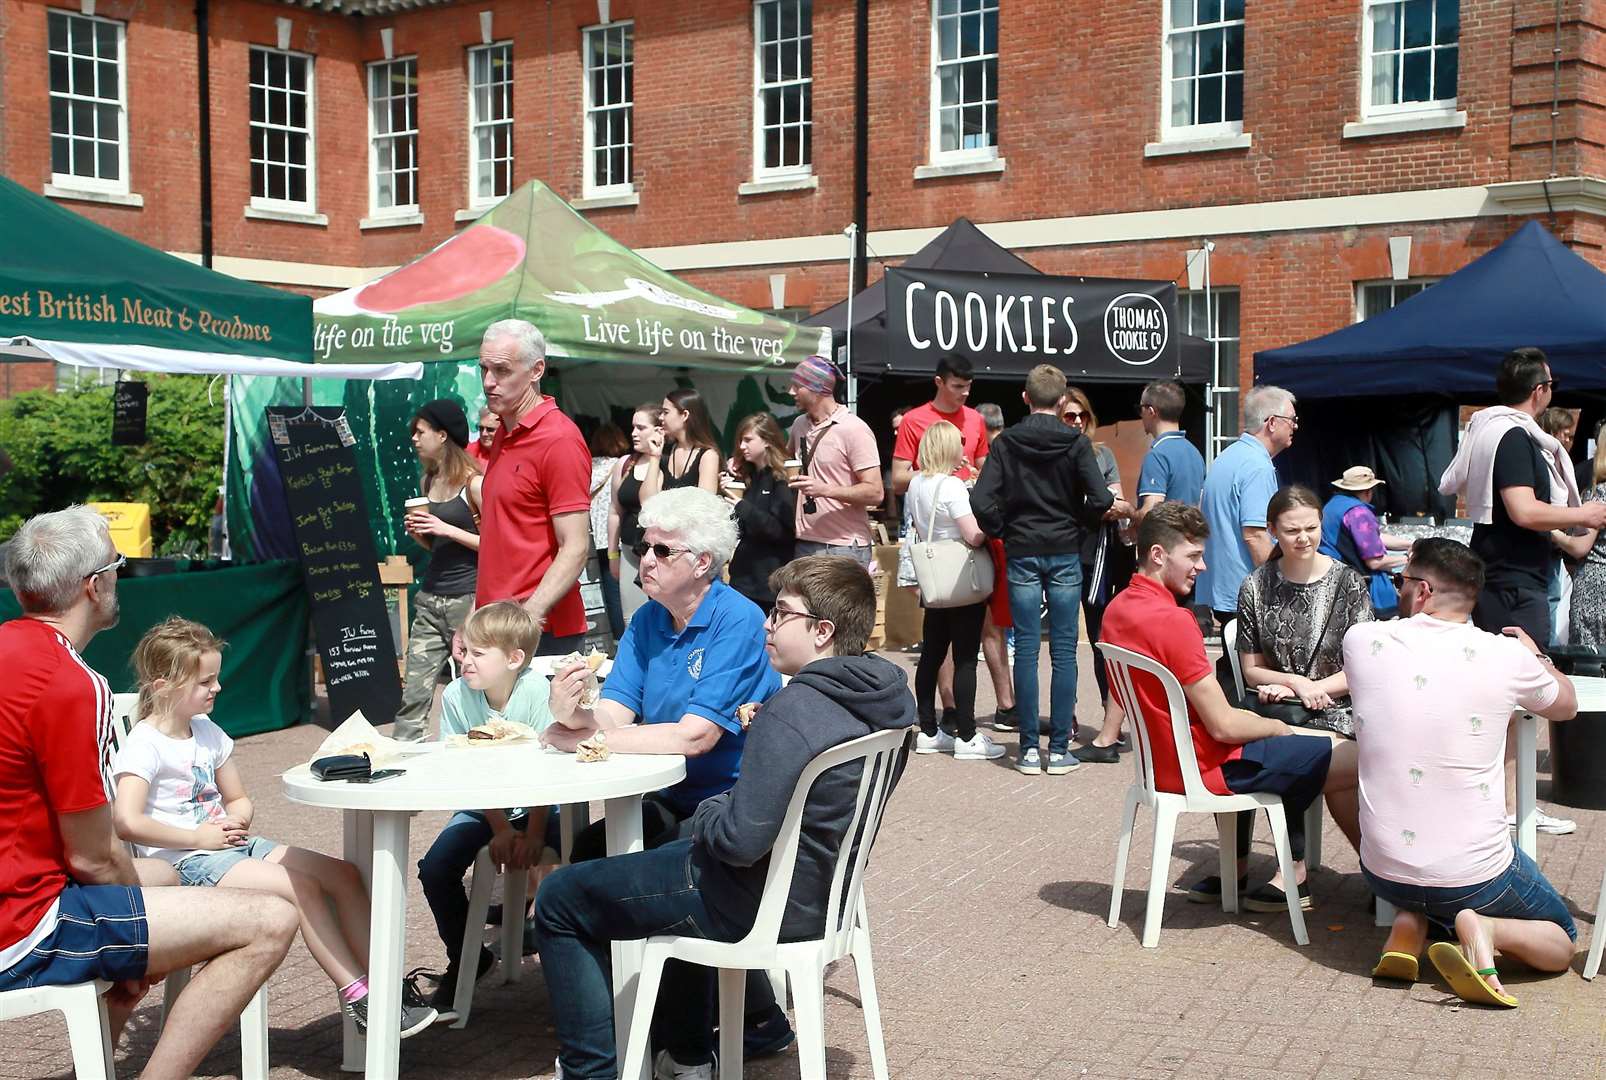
[{"x": 1358, "y": 478}]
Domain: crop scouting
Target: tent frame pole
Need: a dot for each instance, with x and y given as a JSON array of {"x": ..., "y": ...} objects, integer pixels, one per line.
[{"x": 853, "y": 383}]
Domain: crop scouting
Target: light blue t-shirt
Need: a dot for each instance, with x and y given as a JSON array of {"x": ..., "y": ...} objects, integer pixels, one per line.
[
  {"x": 463, "y": 707},
  {"x": 1240, "y": 485},
  {"x": 1172, "y": 469}
]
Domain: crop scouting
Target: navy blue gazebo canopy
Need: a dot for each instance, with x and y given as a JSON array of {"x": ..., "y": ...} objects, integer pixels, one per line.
[{"x": 1531, "y": 290}]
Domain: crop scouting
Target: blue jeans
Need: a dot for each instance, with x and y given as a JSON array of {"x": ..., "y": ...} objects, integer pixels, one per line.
[
  {"x": 1518, "y": 892},
  {"x": 585, "y": 906},
  {"x": 611, "y": 601},
  {"x": 441, "y": 870},
  {"x": 1059, "y": 577}
]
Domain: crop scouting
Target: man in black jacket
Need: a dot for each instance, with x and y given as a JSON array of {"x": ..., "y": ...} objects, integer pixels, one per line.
[
  {"x": 710, "y": 885},
  {"x": 1039, "y": 491}
]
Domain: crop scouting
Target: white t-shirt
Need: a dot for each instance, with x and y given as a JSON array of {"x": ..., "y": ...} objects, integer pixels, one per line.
[
  {"x": 182, "y": 774},
  {"x": 953, "y": 503},
  {"x": 1432, "y": 702}
]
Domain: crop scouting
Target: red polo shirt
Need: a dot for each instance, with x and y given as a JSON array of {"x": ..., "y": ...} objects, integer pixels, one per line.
[
  {"x": 972, "y": 433},
  {"x": 1145, "y": 618},
  {"x": 538, "y": 468}
]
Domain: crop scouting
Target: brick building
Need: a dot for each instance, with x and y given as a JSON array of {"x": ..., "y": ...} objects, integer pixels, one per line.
[{"x": 1337, "y": 153}]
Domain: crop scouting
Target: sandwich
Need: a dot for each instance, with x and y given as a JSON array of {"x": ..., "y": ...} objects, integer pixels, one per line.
[{"x": 593, "y": 662}]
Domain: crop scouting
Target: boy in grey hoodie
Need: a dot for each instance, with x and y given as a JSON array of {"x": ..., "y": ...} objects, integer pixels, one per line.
[{"x": 711, "y": 883}]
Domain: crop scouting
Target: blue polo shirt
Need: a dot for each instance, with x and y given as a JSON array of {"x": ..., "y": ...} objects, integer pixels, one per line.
[
  {"x": 709, "y": 669},
  {"x": 1241, "y": 482},
  {"x": 1172, "y": 469}
]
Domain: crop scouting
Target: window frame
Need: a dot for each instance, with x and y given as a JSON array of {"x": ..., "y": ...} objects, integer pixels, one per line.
[
  {"x": 936, "y": 155},
  {"x": 72, "y": 181},
  {"x": 475, "y": 201},
  {"x": 1434, "y": 107},
  {"x": 398, "y": 210},
  {"x": 289, "y": 206},
  {"x": 1175, "y": 133},
  {"x": 1393, "y": 286},
  {"x": 1217, "y": 438},
  {"x": 589, "y": 187},
  {"x": 786, "y": 172}
]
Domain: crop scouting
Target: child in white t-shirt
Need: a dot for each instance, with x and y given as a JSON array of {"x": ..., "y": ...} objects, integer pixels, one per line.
[{"x": 180, "y": 798}]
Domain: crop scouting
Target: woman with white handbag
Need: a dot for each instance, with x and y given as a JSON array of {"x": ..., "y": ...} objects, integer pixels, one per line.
[{"x": 955, "y": 576}]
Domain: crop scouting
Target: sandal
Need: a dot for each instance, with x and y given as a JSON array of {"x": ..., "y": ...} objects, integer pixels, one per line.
[
  {"x": 1468, "y": 982},
  {"x": 1396, "y": 965}
]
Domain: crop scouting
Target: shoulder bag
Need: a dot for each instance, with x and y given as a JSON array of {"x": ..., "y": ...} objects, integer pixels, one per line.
[{"x": 950, "y": 573}]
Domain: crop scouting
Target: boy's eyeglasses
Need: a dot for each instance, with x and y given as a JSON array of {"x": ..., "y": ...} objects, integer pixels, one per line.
[{"x": 778, "y": 616}]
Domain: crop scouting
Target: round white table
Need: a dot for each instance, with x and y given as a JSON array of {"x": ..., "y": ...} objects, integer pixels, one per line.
[{"x": 439, "y": 777}]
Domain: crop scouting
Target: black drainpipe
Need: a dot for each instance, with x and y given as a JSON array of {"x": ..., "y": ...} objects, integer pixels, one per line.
[
  {"x": 861, "y": 141},
  {"x": 203, "y": 79}
]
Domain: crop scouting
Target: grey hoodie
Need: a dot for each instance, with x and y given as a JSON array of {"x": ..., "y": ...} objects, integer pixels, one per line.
[{"x": 827, "y": 703}]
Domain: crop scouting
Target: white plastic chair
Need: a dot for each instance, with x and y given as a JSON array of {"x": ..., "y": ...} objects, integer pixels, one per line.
[
  {"x": 1597, "y": 937},
  {"x": 847, "y": 931},
  {"x": 89, "y": 1030},
  {"x": 1313, "y": 814},
  {"x": 254, "y": 1017},
  {"x": 1197, "y": 799}
]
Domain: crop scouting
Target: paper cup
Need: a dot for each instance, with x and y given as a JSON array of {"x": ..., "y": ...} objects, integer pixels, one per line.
[
  {"x": 793, "y": 467},
  {"x": 418, "y": 503},
  {"x": 734, "y": 488}
]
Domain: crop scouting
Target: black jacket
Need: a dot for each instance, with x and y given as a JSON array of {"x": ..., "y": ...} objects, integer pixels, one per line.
[
  {"x": 1040, "y": 489},
  {"x": 767, "y": 516},
  {"x": 827, "y": 703}
]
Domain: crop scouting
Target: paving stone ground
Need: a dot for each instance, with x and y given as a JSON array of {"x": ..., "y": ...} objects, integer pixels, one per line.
[{"x": 988, "y": 893}]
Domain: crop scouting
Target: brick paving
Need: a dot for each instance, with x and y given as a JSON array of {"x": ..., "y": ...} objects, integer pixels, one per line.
[{"x": 988, "y": 894}]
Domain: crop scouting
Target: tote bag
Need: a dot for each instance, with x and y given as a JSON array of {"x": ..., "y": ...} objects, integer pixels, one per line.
[{"x": 950, "y": 573}]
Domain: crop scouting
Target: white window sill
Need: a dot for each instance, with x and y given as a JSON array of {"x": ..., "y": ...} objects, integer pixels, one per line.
[
  {"x": 1395, "y": 125},
  {"x": 294, "y": 217},
  {"x": 779, "y": 183},
  {"x": 473, "y": 213},
  {"x": 606, "y": 201},
  {"x": 1167, "y": 147},
  {"x": 959, "y": 168},
  {"x": 110, "y": 198},
  {"x": 391, "y": 221}
]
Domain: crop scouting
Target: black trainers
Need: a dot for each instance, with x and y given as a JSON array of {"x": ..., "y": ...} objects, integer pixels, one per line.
[
  {"x": 1097, "y": 755},
  {"x": 1270, "y": 898},
  {"x": 768, "y": 1033},
  {"x": 1006, "y": 720},
  {"x": 1207, "y": 890},
  {"x": 446, "y": 990}
]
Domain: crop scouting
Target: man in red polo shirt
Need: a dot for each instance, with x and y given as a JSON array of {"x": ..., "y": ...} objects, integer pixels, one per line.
[
  {"x": 953, "y": 378},
  {"x": 1238, "y": 751},
  {"x": 535, "y": 523}
]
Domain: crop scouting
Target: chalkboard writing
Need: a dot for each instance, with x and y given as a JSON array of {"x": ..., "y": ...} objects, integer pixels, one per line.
[
  {"x": 128, "y": 413},
  {"x": 338, "y": 563}
]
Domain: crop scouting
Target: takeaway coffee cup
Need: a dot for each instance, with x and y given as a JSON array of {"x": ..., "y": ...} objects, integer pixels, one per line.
[
  {"x": 417, "y": 504},
  {"x": 793, "y": 467},
  {"x": 734, "y": 488}
]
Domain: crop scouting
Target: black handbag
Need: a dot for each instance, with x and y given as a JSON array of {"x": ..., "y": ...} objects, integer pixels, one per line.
[{"x": 342, "y": 767}]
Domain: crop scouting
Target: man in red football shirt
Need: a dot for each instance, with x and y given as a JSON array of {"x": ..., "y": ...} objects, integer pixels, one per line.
[
  {"x": 953, "y": 378},
  {"x": 72, "y": 904}
]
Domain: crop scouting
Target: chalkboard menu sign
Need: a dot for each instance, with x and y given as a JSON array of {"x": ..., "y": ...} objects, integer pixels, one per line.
[
  {"x": 338, "y": 561},
  {"x": 128, "y": 413}
]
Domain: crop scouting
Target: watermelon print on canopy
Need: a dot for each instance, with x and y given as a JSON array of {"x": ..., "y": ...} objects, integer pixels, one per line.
[{"x": 462, "y": 265}]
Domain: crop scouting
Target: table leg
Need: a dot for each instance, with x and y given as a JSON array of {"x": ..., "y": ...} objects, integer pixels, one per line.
[
  {"x": 358, "y": 849},
  {"x": 387, "y": 942},
  {"x": 1527, "y": 785},
  {"x": 623, "y": 827},
  {"x": 572, "y": 818}
]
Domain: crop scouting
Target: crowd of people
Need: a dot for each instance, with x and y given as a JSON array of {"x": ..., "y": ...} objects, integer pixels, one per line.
[{"x": 1379, "y": 675}]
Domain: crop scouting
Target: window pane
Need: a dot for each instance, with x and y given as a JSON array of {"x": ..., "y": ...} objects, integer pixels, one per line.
[
  {"x": 1181, "y": 13},
  {"x": 1235, "y": 97},
  {"x": 1418, "y": 23},
  {"x": 83, "y": 157},
  {"x": 298, "y": 185},
  {"x": 948, "y": 86},
  {"x": 108, "y": 160},
  {"x": 60, "y": 154},
  {"x": 1417, "y": 71},
  {"x": 1445, "y": 64},
  {"x": 1385, "y": 70},
  {"x": 1210, "y": 94},
  {"x": 788, "y": 61},
  {"x": 1235, "y": 49},
  {"x": 296, "y": 146},
  {"x": 58, "y": 31},
  {"x": 1232, "y": 9},
  {"x": 107, "y": 81},
  {"x": 788, "y": 19},
  {"x": 1181, "y": 102},
  {"x": 298, "y": 72},
  {"x": 768, "y": 21},
  {"x": 58, "y": 74},
  {"x": 971, "y": 86},
  {"x": 83, "y": 118},
  {"x": 58, "y": 117},
  {"x": 83, "y": 75},
  {"x": 989, "y": 32},
  {"x": 1182, "y": 55},
  {"x": 948, "y": 38},
  {"x": 106, "y": 40},
  {"x": 298, "y": 111},
  {"x": 1209, "y": 11},
  {"x": 1448, "y": 29},
  {"x": 1212, "y": 51},
  {"x": 1385, "y": 27},
  {"x": 948, "y": 124}
]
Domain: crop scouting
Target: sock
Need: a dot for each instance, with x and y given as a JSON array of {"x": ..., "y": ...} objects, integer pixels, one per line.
[{"x": 354, "y": 991}]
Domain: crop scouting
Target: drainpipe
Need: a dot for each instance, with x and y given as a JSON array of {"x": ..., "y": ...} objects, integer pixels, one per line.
[
  {"x": 861, "y": 142},
  {"x": 203, "y": 81},
  {"x": 1555, "y": 86}
]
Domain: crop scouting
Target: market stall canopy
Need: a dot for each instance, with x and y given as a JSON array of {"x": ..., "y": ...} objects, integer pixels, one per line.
[
  {"x": 532, "y": 257},
  {"x": 83, "y": 294},
  {"x": 1450, "y": 338}
]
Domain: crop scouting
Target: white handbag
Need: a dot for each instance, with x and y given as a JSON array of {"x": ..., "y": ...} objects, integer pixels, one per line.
[{"x": 950, "y": 573}]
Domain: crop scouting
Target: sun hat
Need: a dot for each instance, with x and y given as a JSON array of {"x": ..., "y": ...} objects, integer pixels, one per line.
[{"x": 1358, "y": 478}]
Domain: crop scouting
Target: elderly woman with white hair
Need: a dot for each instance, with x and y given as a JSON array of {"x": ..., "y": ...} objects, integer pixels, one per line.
[{"x": 689, "y": 659}]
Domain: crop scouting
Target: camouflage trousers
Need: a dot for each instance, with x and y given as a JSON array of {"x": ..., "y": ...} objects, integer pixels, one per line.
[{"x": 429, "y": 645}]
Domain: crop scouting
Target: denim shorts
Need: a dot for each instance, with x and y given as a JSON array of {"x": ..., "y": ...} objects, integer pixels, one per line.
[
  {"x": 100, "y": 933},
  {"x": 208, "y": 867},
  {"x": 1520, "y": 892}
]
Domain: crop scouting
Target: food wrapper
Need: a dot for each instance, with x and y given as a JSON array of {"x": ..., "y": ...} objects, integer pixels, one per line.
[
  {"x": 357, "y": 736},
  {"x": 593, "y": 661},
  {"x": 745, "y": 714},
  {"x": 493, "y": 733},
  {"x": 592, "y": 750}
]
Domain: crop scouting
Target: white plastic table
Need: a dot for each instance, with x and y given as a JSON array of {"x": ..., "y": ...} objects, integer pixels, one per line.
[{"x": 378, "y": 818}]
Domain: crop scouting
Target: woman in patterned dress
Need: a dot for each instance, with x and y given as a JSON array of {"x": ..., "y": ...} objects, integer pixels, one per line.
[{"x": 1587, "y": 616}]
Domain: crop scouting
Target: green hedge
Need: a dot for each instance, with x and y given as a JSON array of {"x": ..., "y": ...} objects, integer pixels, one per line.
[{"x": 61, "y": 452}]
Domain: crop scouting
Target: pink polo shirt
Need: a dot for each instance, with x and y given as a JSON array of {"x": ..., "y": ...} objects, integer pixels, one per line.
[{"x": 840, "y": 447}]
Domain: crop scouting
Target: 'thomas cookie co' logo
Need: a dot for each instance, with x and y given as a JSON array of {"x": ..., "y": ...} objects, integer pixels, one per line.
[{"x": 1136, "y": 329}]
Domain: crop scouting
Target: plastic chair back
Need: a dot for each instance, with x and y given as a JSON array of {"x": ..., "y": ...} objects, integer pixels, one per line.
[
  {"x": 1120, "y": 664},
  {"x": 880, "y": 756},
  {"x": 1229, "y": 645}
]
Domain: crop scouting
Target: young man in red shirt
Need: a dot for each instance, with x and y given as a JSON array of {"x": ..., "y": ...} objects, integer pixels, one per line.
[
  {"x": 1238, "y": 752},
  {"x": 953, "y": 378},
  {"x": 73, "y": 906},
  {"x": 535, "y": 525}
]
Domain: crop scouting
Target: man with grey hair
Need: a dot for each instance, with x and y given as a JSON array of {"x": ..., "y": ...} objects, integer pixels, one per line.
[
  {"x": 1241, "y": 482},
  {"x": 535, "y": 521},
  {"x": 72, "y": 904}
]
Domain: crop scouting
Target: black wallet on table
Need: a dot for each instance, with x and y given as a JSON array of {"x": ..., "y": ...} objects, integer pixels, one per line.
[{"x": 342, "y": 766}]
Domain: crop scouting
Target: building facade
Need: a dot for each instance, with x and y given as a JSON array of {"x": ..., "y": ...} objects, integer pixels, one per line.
[{"x": 1332, "y": 155}]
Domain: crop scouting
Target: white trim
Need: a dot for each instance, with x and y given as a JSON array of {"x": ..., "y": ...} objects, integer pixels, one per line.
[
  {"x": 309, "y": 207},
  {"x": 406, "y": 216},
  {"x": 1170, "y": 133},
  {"x": 473, "y": 213},
  {"x": 779, "y": 182},
  {"x": 78, "y": 194},
  {"x": 791, "y": 177},
  {"x": 72, "y": 181},
  {"x": 1564, "y": 194},
  {"x": 282, "y": 26},
  {"x": 152, "y": 358},
  {"x": 474, "y": 201},
  {"x": 588, "y": 183},
  {"x": 953, "y": 165},
  {"x": 486, "y": 37},
  {"x": 936, "y": 156},
  {"x": 1400, "y": 257},
  {"x": 401, "y": 212},
  {"x": 1372, "y": 115},
  {"x": 609, "y": 197},
  {"x": 1398, "y": 123},
  {"x": 1241, "y": 141},
  {"x": 263, "y": 210}
]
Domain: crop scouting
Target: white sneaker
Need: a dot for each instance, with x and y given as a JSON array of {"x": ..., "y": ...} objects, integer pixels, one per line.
[
  {"x": 940, "y": 743},
  {"x": 665, "y": 1067},
  {"x": 977, "y": 748},
  {"x": 1545, "y": 823}
]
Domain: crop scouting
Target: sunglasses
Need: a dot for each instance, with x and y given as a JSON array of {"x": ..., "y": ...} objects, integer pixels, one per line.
[
  {"x": 486, "y": 432},
  {"x": 1400, "y": 579},
  {"x": 116, "y": 564},
  {"x": 662, "y": 552},
  {"x": 1073, "y": 415}
]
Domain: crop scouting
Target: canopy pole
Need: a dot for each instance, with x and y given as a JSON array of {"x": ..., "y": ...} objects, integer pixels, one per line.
[{"x": 853, "y": 383}]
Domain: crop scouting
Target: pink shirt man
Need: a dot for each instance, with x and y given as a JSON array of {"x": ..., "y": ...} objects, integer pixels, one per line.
[
  {"x": 839, "y": 448},
  {"x": 1432, "y": 702}
]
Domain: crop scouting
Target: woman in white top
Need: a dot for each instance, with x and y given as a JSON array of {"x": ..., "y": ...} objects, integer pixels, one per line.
[{"x": 938, "y": 505}]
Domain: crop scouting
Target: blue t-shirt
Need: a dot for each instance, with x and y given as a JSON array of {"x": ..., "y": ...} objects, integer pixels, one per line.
[
  {"x": 1172, "y": 469},
  {"x": 709, "y": 669},
  {"x": 1241, "y": 483}
]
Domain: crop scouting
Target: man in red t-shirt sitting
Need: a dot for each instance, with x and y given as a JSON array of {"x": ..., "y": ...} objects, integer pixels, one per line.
[
  {"x": 72, "y": 907},
  {"x": 953, "y": 379},
  {"x": 1238, "y": 751}
]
